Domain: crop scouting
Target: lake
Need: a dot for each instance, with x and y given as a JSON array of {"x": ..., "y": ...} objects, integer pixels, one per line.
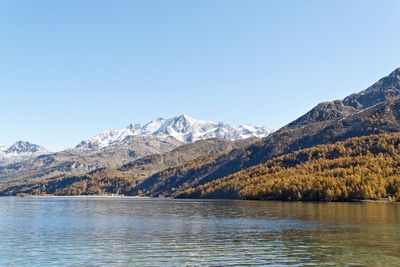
[{"x": 165, "y": 232}]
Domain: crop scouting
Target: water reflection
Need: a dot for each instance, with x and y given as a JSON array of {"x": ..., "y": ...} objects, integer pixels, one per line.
[{"x": 120, "y": 232}]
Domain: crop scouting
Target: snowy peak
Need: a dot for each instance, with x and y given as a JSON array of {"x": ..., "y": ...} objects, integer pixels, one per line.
[
  {"x": 183, "y": 128},
  {"x": 182, "y": 124},
  {"x": 19, "y": 151},
  {"x": 25, "y": 147},
  {"x": 105, "y": 139},
  {"x": 188, "y": 129},
  {"x": 248, "y": 130}
]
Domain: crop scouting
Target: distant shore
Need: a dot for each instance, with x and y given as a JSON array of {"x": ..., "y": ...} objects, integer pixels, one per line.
[
  {"x": 81, "y": 196},
  {"x": 384, "y": 200}
]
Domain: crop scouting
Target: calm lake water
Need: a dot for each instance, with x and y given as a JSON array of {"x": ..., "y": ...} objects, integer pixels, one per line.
[{"x": 157, "y": 232}]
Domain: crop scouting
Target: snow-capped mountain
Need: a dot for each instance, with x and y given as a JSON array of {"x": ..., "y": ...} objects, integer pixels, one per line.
[
  {"x": 22, "y": 147},
  {"x": 19, "y": 151},
  {"x": 183, "y": 128}
]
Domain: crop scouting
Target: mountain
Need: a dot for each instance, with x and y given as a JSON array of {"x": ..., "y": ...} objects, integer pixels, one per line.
[
  {"x": 386, "y": 89},
  {"x": 20, "y": 151},
  {"x": 75, "y": 161},
  {"x": 183, "y": 128},
  {"x": 22, "y": 147},
  {"x": 124, "y": 179},
  {"x": 114, "y": 148},
  {"x": 373, "y": 111}
]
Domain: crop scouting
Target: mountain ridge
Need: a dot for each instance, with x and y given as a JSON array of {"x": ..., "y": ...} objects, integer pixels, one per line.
[
  {"x": 183, "y": 128},
  {"x": 114, "y": 148}
]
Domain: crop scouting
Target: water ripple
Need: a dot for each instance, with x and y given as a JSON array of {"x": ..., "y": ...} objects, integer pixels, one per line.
[{"x": 131, "y": 232}]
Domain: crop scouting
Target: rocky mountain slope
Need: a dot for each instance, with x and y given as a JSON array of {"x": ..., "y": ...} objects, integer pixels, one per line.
[
  {"x": 124, "y": 179},
  {"x": 73, "y": 161}
]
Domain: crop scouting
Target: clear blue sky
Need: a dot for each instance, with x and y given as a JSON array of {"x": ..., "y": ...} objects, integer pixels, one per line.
[{"x": 71, "y": 68}]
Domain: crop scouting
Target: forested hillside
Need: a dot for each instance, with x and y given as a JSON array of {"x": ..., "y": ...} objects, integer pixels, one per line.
[{"x": 356, "y": 169}]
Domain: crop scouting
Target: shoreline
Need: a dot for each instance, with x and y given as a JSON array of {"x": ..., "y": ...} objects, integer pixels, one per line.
[
  {"x": 82, "y": 196},
  {"x": 146, "y": 197}
]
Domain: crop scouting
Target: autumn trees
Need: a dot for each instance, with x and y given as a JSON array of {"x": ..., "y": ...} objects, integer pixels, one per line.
[{"x": 355, "y": 169}]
